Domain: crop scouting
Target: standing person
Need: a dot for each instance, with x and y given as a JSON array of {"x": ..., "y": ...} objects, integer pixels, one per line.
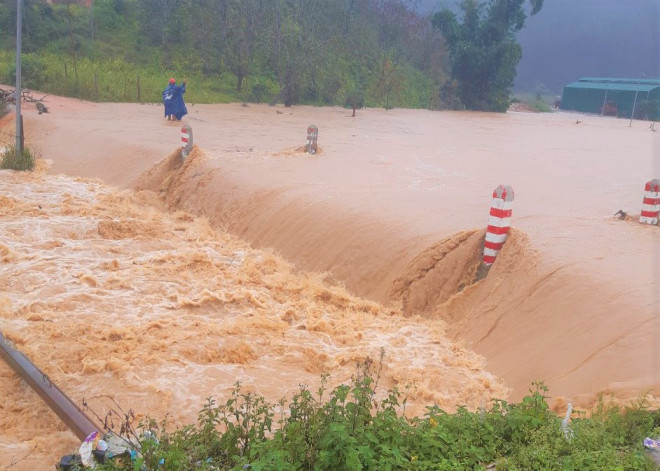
[{"x": 175, "y": 108}]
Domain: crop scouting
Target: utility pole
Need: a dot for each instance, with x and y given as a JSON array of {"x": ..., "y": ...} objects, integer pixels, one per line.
[
  {"x": 632, "y": 113},
  {"x": 19, "y": 95}
]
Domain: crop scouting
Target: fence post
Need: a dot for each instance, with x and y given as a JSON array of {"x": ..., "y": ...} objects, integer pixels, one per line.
[
  {"x": 498, "y": 223},
  {"x": 651, "y": 203}
]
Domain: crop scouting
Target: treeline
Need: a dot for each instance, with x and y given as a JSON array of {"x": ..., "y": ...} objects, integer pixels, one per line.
[{"x": 340, "y": 52}]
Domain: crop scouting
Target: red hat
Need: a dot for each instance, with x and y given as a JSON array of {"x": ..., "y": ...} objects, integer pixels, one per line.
[{"x": 172, "y": 80}]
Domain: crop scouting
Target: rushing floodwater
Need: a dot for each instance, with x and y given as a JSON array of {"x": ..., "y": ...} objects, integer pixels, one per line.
[{"x": 113, "y": 296}]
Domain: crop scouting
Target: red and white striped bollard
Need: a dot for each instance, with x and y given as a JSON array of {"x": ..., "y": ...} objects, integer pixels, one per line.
[
  {"x": 186, "y": 140},
  {"x": 651, "y": 203},
  {"x": 498, "y": 223}
]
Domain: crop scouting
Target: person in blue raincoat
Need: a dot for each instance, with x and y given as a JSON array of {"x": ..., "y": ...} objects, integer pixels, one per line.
[{"x": 175, "y": 108}]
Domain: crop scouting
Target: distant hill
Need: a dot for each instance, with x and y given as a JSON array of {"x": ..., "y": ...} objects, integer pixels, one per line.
[{"x": 569, "y": 39}]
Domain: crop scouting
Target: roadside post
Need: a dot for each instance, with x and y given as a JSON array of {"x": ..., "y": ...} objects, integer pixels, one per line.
[
  {"x": 651, "y": 203},
  {"x": 498, "y": 223},
  {"x": 312, "y": 137},
  {"x": 186, "y": 140}
]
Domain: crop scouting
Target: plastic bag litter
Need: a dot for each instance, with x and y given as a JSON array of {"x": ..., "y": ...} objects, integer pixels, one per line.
[
  {"x": 652, "y": 444},
  {"x": 115, "y": 445},
  {"x": 87, "y": 448},
  {"x": 68, "y": 462}
]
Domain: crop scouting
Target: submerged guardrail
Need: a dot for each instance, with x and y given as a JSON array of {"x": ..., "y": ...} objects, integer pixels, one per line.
[{"x": 59, "y": 402}]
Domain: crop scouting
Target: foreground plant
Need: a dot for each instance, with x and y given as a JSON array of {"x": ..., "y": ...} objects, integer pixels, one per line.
[
  {"x": 349, "y": 428},
  {"x": 10, "y": 159}
]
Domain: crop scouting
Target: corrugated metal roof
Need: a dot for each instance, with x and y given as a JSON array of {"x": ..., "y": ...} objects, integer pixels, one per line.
[
  {"x": 629, "y": 81},
  {"x": 614, "y": 86},
  {"x": 590, "y": 93}
]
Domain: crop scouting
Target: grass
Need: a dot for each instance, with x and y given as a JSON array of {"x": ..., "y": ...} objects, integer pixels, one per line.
[
  {"x": 540, "y": 105},
  {"x": 106, "y": 79},
  {"x": 113, "y": 80},
  {"x": 351, "y": 428},
  {"x": 10, "y": 159}
]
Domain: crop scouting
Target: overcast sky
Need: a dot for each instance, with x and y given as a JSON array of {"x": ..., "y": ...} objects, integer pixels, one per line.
[{"x": 570, "y": 39}]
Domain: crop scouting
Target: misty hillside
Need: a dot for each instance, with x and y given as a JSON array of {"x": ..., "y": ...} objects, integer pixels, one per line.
[{"x": 569, "y": 39}]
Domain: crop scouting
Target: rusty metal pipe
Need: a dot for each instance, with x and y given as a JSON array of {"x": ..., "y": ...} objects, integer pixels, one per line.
[{"x": 64, "y": 407}]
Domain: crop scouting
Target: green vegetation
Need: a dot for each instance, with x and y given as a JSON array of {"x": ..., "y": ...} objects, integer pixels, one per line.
[
  {"x": 12, "y": 160},
  {"x": 380, "y": 54},
  {"x": 311, "y": 52},
  {"x": 350, "y": 428},
  {"x": 110, "y": 80},
  {"x": 484, "y": 51},
  {"x": 540, "y": 105},
  {"x": 537, "y": 102}
]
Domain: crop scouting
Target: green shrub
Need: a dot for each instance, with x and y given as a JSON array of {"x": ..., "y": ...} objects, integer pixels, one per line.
[
  {"x": 351, "y": 428},
  {"x": 33, "y": 71},
  {"x": 259, "y": 93},
  {"x": 12, "y": 160},
  {"x": 541, "y": 106}
]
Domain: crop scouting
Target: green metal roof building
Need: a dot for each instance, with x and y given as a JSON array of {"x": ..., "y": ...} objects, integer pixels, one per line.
[{"x": 614, "y": 96}]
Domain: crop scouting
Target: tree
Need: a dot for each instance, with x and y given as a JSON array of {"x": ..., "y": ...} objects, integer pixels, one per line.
[
  {"x": 155, "y": 20},
  {"x": 240, "y": 37},
  {"x": 355, "y": 98},
  {"x": 208, "y": 34},
  {"x": 293, "y": 43},
  {"x": 389, "y": 81},
  {"x": 483, "y": 49}
]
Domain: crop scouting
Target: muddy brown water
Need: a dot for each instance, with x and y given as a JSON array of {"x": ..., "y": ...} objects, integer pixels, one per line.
[{"x": 129, "y": 295}]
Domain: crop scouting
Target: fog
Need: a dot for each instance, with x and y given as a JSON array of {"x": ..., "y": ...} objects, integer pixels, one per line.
[{"x": 570, "y": 39}]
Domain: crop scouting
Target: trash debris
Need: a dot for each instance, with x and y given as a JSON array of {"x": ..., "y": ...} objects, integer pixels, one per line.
[
  {"x": 97, "y": 449},
  {"x": 652, "y": 444},
  {"x": 87, "y": 449},
  {"x": 653, "y": 447},
  {"x": 117, "y": 446},
  {"x": 149, "y": 435},
  {"x": 565, "y": 423},
  {"x": 68, "y": 462},
  {"x": 41, "y": 108},
  {"x": 621, "y": 214}
]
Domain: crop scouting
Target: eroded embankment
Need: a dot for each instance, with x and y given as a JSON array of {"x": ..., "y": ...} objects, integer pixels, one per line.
[
  {"x": 440, "y": 272},
  {"x": 354, "y": 247},
  {"x": 533, "y": 318},
  {"x": 371, "y": 256}
]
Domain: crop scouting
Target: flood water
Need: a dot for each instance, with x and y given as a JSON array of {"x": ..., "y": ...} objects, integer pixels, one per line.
[{"x": 129, "y": 277}]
